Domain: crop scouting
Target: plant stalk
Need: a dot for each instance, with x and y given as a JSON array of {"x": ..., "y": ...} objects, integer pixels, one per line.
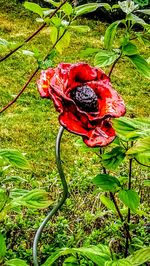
[{"x": 60, "y": 202}]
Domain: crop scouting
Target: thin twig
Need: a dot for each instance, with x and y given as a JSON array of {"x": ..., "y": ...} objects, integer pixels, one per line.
[
  {"x": 33, "y": 34},
  {"x": 113, "y": 65}
]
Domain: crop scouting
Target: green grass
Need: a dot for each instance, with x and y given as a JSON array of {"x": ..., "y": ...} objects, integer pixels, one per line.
[{"x": 31, "y": 126}]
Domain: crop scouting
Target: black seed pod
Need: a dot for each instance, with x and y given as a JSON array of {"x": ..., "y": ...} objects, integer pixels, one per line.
[{"x": 85, "y": 98}]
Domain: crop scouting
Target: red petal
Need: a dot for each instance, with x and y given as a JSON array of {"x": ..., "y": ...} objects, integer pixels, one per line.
[{"x": 101, "y": 136}]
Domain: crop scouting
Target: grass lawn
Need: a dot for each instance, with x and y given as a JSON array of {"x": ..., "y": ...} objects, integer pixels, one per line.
[{"x": 31, "y": 126}]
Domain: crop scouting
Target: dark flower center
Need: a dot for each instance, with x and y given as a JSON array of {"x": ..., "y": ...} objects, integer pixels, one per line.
[{"x": 85, "y": 98}]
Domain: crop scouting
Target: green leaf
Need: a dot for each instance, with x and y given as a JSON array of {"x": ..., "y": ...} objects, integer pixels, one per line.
[
  {"x": 63, "y": 42},
  {"x": 136, "y": 19},
  {"x": 67, "y": 8},
  {"x": 144, "y": 11},
  {"x": 140, "y": 256},
  {"x": 88, "y": 51},
  {"x": 34, "y": 7},
  {"x": 121, "y": 262},
  {"x": 108, "y": 203},
  {"x": 3, "y": 198},
  {"x": 110, "y": 34},
  {"x": 53, "y": 34},
  {"x": 111, "y": 160},
  {"x": 127, "y": 6},
  {"x": 16, "y": 262},
  {"x": 105, "y": 58},
  {"x": 141, "y": 64},
  {"x": 87, "y": 8},
  {"x": 107, "y": 182},
  {"x": 35, "y": 199},
  {"x": 142, "y": 2},
  {"x": 71, "y": 261},
  {"x": 146, "y": 183},
  {"x": 98, "y": 254},
  {"x": 28, "y": 52},
  {"x": 15, "y": 158},
  {"x": 2, "y": 247},
  {"x": 130, "y": 129},
  {"x": 80, "y": 28},
  {"x": 129, "y": 49},
  {"x": 141, "y": 151},
  {"x": 130, "y": 198}
]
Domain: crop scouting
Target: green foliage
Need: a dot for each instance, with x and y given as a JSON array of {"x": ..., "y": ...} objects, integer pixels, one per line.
[
  {"x": 130, "y": 198},
  {"x": 97, "y": 254},
  {"x": 84, "y": 9},
  {"x": 34, "y": 8},
  {"x": 16, "y": 262},
  {"x": 140, "y": 256},
  {"x": 107, "y": 182},
  {"x": 105, "y": 58},
  {"x": 108, "y": 203},
  {"x": 110, "y": 34},
  {"x": 130, "y": 129},
  {"x": 141, "y": 64},
  {"x": 111, "y": 160},
  {"x": 15, "y": 158},
  {"x": 2, "y": 247},
  {"x": 141, "y": 151}
]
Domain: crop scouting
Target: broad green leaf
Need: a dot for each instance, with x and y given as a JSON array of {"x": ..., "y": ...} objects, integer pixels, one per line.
[
  {"x": 108, "y": 203},
  {"x": 63, "y": 42},
  {"x": 144, "y": 11},
  {"x": 3, "y": 198},
  {"x": 127, "y": 6},
  {"x": 146, "y": 183},
  {"x": 111, "y": 160},
  {"x": 53, "y": 34},
  {"x": 130, "y": 129},
  {"x": 140, "y": 256},
  {"x": 80, "y": 28},
  {"x": 2, "y": 247},
  {"x": 98, "y": 254},
  {"x": 136, "y": 19},
  {"x": 16, "y": 179},
  {"x": 47, "y": 12},
  {"x": 90, "y": 7},
  {"x": 110, "y": 34},
  {"x": 141, "y": 64},
  {"x": 16, "y": 262},
  {"x": 56, "y": 22},
  {"x": 107, "y": 182},
  {"x": 89, "y": 51},
  {"x": 71, "y": 261},
  {"x": 121, "y": 262},
  {"x": 105, "y": 58},
  {"x": 36, "y": 199},
  {"x": 130, "y": 198},
  {"x": 67, "y": 8},
  {"x": 129, "y": 49},
  {"x": 34, "y": 7},
  {"x": 141, "y": 151},
  {"x": 15, "y": 158}
]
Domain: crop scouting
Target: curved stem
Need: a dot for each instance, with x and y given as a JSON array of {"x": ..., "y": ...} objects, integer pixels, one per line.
[
  {"x": 60, "y": 202},
  {"x": 113, "y": 65}
]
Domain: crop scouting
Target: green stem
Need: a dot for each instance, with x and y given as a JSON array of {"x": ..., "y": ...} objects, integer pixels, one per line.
[{"x": 60, "y": 202}]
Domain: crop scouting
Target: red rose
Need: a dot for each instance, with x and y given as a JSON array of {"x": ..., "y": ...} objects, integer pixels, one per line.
[{"x": 85, "y": 99}]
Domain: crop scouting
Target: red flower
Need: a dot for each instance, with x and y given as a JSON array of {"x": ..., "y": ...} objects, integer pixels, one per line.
[{"x": 85, "y": 99}]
